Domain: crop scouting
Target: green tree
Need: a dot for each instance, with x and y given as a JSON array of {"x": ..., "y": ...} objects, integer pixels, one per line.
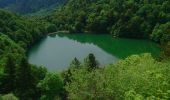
[
  {"x": 24, "y": 80},
  {"x": 75, "y": 63},
  {"x": 138, "y": 77},
  {"x": 91, "y": 62},
  {"x": 51, "y": 28},
  {"x": 161, "y": 33},
  {"x": 9, "y": 97},
  {"x": 9, "y": 77},
  {"x": 1, "y": 80},
  {"x": 38, "y": 74},
  {"x": 51, "y": 86},
  {"x": 67, "y": 75},
  {"x": 165, "y": 54}
]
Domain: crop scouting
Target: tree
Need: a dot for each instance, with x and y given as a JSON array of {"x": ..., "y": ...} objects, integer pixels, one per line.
[
  {"x": 67, "y": 75},
  {"x": 51, "y": 86},
  {"x": 86, "y": 85},
  {"x": 161, "y": 33},
  {"x": 9, "y": 97},
  {"x": 24, "y": 80},
  {"x": 38, "y": 74},
  {"x": 138, "y": 77},
  {"x": 165, "y": 54},
  {"x": 75, "y": 63},
  {"x": 91, "y": 62},
  {"x": 51, "y": 28},
  {"x": 9, "y": 74},
  {"x": 1, "y": 80}
]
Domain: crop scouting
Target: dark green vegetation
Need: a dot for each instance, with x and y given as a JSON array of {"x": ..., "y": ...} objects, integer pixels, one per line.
[
  {"x": 17, "y": 34},
  {"x": 22, "y": 30},
  {"x": 16, "y": 75},
  {"x": 121, "y": 18},
  {"x": 138, "y": 77},
  {"x": 30, "y": 6}
]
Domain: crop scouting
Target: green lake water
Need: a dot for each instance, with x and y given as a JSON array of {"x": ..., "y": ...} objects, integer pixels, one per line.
[{"x": 56, "y": 52}]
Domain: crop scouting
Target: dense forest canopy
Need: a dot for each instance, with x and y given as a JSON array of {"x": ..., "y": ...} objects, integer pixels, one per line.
[
  {"x": 121, "y": 18},
  {"x": 22, "y": 31},
  {"x": 29, "y": 6},
  {"x": 138, "y": 77}
]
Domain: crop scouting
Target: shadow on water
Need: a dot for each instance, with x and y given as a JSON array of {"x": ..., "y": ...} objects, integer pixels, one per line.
[{"x": 119, "y": 47}]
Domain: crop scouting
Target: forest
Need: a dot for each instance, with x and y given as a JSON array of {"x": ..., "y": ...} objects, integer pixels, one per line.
[
  {"x": 137, "y": 77},
  {"x": 30, "y": 6}
]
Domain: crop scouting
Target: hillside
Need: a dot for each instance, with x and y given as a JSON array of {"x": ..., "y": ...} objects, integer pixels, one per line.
[
  {"x": 137, "y": 77},
  {"x": 121, "y": 18},
  {"x": 29, "y": 6}
]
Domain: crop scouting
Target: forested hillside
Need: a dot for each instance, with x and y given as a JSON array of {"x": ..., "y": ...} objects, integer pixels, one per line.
[
  {"x": 29, "y": 6},
  {"x": 22, "y": 30},
  {"x": 121, "y": 18},
  {"x": 138, "y": 77},
  {"x": 17, "y": 34}
]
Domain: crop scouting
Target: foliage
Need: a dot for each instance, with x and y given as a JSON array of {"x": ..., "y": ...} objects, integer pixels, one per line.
[
  {"x": 24, "y": 80},
  {"x": 165, "y": 54},
  {"x": 51, "y": 86},
  {"x": 75, "y": 63},
  {"x": 16, "y": 75},
  {"x": 9, "y": 46},
  {"x": 121, "y": 18},
  {"x": 9, "y": 97},
  {"x": 135, "y": 77},
  {"x": 9, "y": 75},
  {"x": 91, "y": 62},
  {"x": 161, "y": 33},
  {"x": 51, "y": 28},
  {"x": 22, "y": 30},
  {"x": 29, "y": 6}
]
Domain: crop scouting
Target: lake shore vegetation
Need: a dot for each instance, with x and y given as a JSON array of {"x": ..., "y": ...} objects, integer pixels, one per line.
[{"x": 137, "y": 77}]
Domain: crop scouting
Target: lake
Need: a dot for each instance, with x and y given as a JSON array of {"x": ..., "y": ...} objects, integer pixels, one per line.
[{"x": 56, "y": 52}]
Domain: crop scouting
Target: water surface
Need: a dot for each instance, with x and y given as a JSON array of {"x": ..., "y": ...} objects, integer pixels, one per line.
[{"x": 58, "y": 51}]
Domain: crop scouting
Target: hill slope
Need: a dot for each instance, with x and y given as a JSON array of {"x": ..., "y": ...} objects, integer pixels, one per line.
[
  {"x": 29, "y": 6},
  {"x": 121, "y": 18}
]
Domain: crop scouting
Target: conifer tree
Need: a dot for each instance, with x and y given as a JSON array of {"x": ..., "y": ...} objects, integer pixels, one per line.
[
  {"x": 9, "y": 74},
  {"x": 75, "y": 63},
  {"x": 91, "y": 62},
  {"x": 24, "y": 80}
]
